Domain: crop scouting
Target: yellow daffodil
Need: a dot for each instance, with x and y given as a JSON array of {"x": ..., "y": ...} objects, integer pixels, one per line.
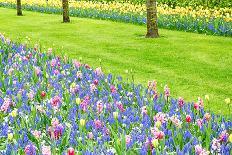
[
  {"x": 155, "y": 142},
  {"x": 78, "y": 101},
  {"x": 73, "y": 85},
  {"x": 230, "y": 138},
  {"x": 82, "y": 122},
  {"x": 158, "y": 124},
  {"x": 14, "y": 113},
  {"x": 10, "y": 136},
  {"x": 138, "y": 9}
]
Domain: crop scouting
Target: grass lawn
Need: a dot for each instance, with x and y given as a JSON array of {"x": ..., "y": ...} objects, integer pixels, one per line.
[{"x": 191, "y": 64}]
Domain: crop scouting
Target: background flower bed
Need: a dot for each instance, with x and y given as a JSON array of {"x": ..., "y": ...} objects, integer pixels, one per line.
[
  {"x": 173, "y": 3},
  {"x": 50, "y": 103},
  {"x": 200, "y": 20}
]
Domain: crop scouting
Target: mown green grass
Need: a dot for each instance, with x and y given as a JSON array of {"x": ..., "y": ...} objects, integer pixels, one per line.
[{"x": 191, "y": 64}]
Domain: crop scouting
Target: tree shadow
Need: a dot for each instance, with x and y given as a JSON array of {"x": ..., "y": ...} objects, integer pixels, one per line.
[{"x": 139, "y": 35}]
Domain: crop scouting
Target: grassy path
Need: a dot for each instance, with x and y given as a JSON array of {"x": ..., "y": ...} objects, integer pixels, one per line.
[{"x": 191, "y": 64}]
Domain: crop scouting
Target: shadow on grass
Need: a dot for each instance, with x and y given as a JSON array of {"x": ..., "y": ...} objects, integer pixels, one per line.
[{"x": 139, "y": 35}]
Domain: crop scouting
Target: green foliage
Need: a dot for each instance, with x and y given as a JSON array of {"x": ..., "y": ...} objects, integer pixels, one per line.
[{"x": 193, "y": 3}]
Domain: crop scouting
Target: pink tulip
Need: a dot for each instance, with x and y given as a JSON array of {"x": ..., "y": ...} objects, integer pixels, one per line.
[
  {"x": 199, "y": 122},
  {"x": 46, "y": 150},
  {"x": 77, "y": 64},
  {"x": 160, "y": 117},
  {"x": 128, "y": 139},
  {"x": 159, "y": 135},
  {"x": 196, "y": 106},
  {"x": 98, "y": 71}
]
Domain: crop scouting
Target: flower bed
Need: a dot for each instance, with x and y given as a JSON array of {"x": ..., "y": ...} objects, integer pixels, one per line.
[
  {"x": 54, "y": 105},
  {"x": 200, "y": 20}
]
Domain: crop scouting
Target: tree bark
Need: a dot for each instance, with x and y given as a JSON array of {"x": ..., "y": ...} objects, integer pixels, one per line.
[
  {"x": 152, "y": 25},
  {"x": 19, "y": 8},
  {"x": 66, "y": 18}
]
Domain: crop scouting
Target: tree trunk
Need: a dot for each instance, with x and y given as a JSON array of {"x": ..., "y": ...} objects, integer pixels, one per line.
[
  {"x": 19, "y": 8},
  {"x": 152, "y": 25},
  {"x": 66, "y": 18}
]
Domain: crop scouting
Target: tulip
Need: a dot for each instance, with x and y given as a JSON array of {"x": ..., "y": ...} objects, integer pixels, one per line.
[
  {"x": 199, "y": 122},
  {"x": 71, "y": 151},
  {"x": 188, "y": 119},
  {"x": 230, "y": 138},
  {"x": 36, "y": 133},
  {"x": 98, "y": 71},
  {"x": 207, "y": 116},
  {"x": 128, "y": 139},
  {"x": 14, "y": 113},
  {"x": 158, "y": 124},
  {"x": 55, "y": 122},
  {"x": 43, "y": 94},
  {"x": 155, "y": 142},
  {"x": 159, "y": 134},
  {"x": 198, "y": 149},
  {"x": 160, "y": 116},
  {"x": 10, "y": 136},
  {"x": 78, "y": 101},
  {"x": 46, "y": 150},
  {"x": 82, "y": 122},
  {"x": 196, "y": 106}
]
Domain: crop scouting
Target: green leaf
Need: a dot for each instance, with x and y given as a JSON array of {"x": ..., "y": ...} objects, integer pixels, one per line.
[{"x": 65, "y": 139}]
